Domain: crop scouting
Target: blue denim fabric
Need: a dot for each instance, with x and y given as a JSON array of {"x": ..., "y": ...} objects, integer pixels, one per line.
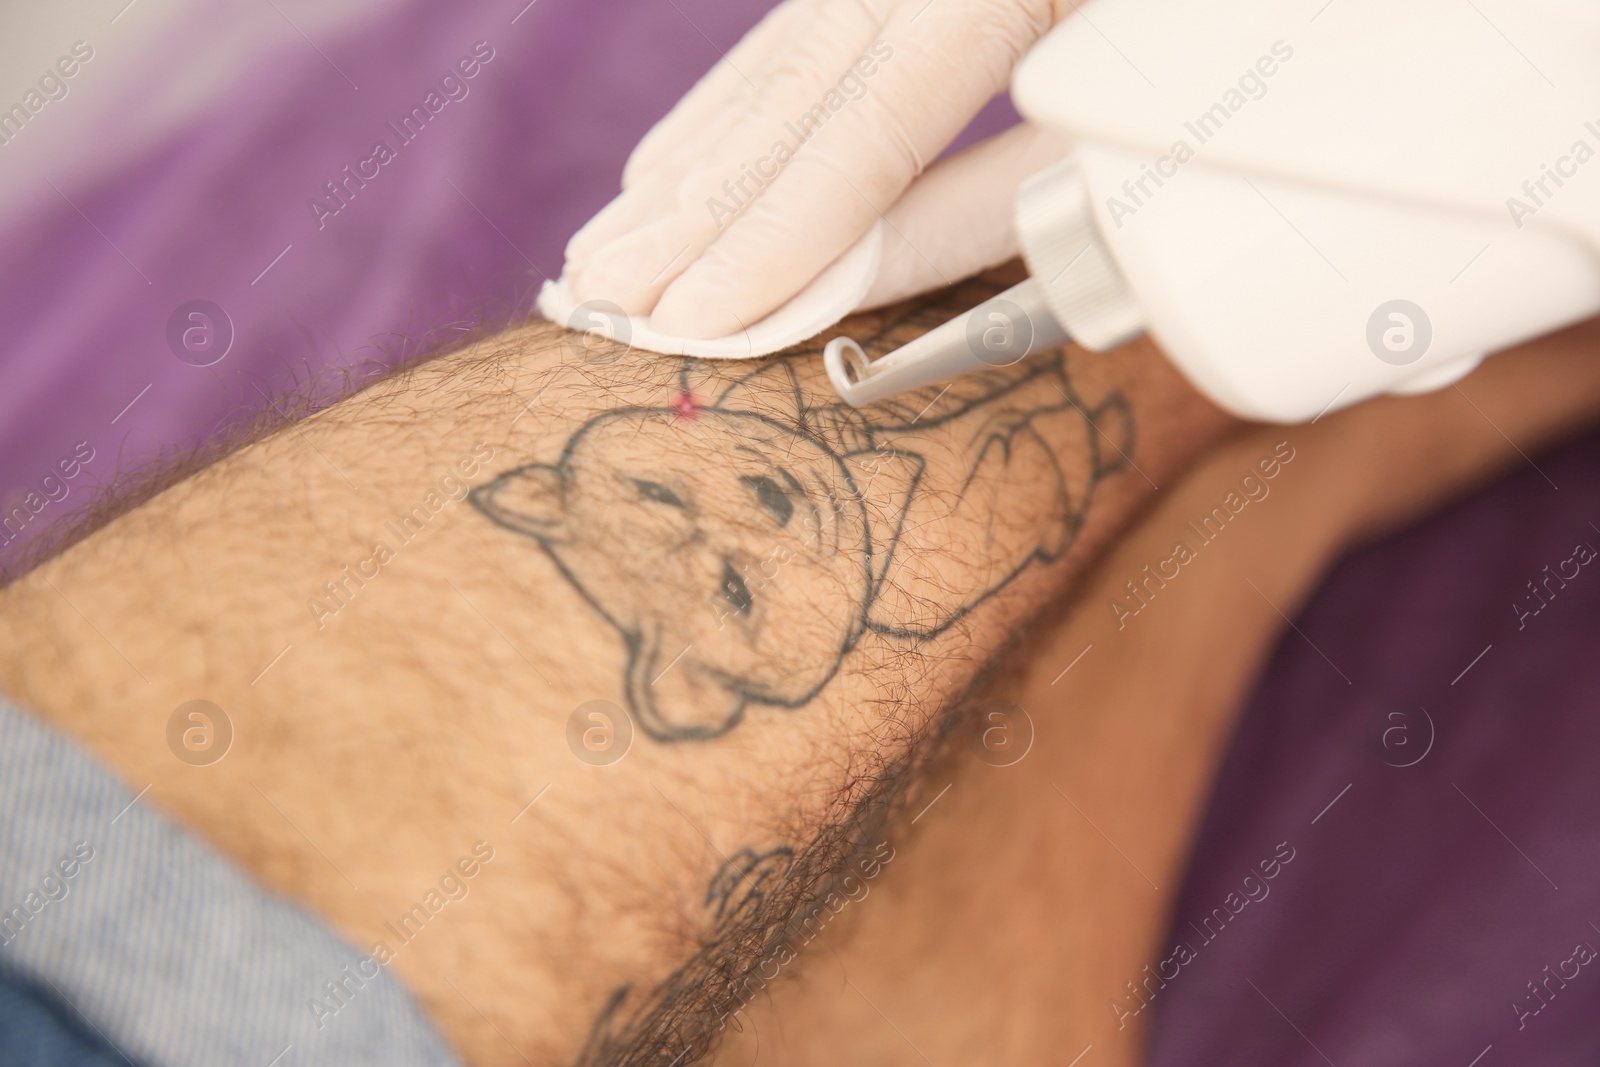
[
  {"x": 37, "y": 1030},
  {"x": 114, "y": 917}
]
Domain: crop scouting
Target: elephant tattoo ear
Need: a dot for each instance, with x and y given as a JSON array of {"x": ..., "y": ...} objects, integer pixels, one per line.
[
  {"x": 529, "y": 499},
  {"x": 885, "y": 480}
]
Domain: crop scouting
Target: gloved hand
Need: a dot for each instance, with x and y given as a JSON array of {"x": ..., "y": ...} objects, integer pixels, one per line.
[{"x": 814, "y": 126}]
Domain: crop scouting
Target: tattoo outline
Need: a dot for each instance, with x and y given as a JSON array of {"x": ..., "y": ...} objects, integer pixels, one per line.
[{"x": 648, "y": 509}]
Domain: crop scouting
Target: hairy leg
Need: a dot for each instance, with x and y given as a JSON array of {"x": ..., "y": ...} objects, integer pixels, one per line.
[
  {"x": 1019, "y": 922},
  {"x": 433, "y": 613}
]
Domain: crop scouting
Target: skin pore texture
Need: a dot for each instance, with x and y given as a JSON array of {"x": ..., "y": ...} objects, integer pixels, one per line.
[
  {"x": 406, "y": 604},
  {"x": 1022, "y": 918}
]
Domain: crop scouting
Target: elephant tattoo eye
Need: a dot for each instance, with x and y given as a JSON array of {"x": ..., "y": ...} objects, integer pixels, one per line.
[
  {"x": 772, "y": 497},
  {"x": 657, "y": 492}
]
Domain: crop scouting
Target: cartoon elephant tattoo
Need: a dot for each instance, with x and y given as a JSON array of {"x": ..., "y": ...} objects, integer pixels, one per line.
[{"x": 741, "y": 542}]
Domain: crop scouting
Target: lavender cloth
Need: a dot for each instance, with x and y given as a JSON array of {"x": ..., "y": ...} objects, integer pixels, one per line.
[
  {"x": 461, "y": 225},
  {"x": 464, "y": 222},
  {"x": 1417, "y": 906},
  {"x": 1443, "y": 808}
]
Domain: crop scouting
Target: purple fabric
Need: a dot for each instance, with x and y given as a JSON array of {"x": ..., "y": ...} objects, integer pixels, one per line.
[
  {"x": 1418, "y": 907},
  {"x": 205, "y": 213},
  {"x": 461, "y": 226}
]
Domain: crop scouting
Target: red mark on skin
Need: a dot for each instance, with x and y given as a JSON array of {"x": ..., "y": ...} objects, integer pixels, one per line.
[{"x": 685, "y": 406}]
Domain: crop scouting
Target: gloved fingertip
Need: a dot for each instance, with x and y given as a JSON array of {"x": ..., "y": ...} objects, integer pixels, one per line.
[
  {"x": 631, "y": 212},
  {"x": 634, "y": 269},
  {"x": 598, "y": 281},
  {"x": 596, "y": 234},
  {"x": 687, "y": 311}
]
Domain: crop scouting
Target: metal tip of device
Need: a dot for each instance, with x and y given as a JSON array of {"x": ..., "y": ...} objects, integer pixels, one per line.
[
  {"x": 996, "y": 333},
  {"x": 848, "y": 366}
]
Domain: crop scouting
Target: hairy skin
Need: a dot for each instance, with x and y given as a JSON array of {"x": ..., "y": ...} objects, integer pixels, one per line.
[
  {"x": 401, "y": 665},
  {"x": 820, "y": 491},
  {"x": 1021, "y": 923}
]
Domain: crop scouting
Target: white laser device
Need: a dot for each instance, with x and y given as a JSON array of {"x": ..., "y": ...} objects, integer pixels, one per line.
[{"x": 1304, "y": 204}]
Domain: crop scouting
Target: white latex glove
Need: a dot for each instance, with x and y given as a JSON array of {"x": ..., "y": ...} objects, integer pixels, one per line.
[{"x": 910, "y": 73}]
